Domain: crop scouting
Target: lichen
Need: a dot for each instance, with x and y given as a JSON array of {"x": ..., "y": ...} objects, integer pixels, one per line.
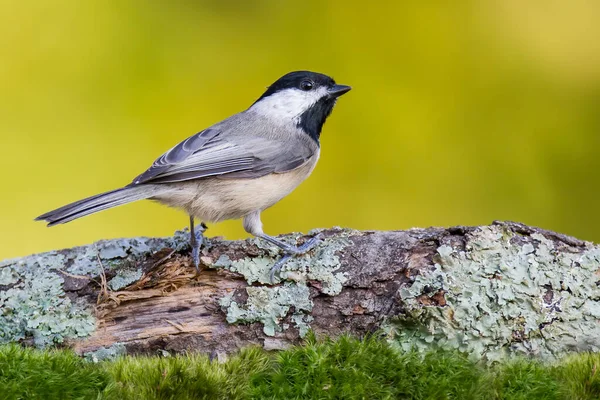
[
  {"x": 106, "y": 353},
  {"x": 34, "y": 303},
  {"x": 503, "y": 298},
  {"x": 8, "y": 275},
  {"x": 110, "y": 254},
  {"x": 253, "y": 269},
  {"x": 302, "y": 322},
  {"x": 270, "y": 304},
  {"x": 319, "y": 264},
  {"x": 36, "y": 306},
  {"x": 124, "y": 278}
]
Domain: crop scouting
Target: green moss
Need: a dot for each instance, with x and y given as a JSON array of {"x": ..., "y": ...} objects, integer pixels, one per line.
[
  {"x": 579, "y": 376},
  {"x": 495, "y": 291},
  {"x": 345, "y": 368},
  {"x": 51, "y": 374},
  {"x": 370, "y": 369},
  {"x": 524, "y": 380},
  {"x": 184, "y": 377}
]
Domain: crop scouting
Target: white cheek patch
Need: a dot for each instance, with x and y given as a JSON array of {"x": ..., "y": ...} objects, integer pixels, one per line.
[{"x": 288, "y": 104}]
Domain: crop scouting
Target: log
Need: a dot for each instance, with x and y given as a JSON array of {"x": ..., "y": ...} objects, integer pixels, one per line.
[{"x": 491, "y": 291}]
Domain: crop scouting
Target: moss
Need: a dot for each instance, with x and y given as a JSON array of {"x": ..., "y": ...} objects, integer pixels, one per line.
[
  {"x": 325, "y": 369},
  {"x": 351, "y": 369},
  {"x": 184, "y": 377},
  {"x": 524, "y": 380},
  {"x": 271, "y": 304},
  {"x": 52, "y": 374},
  {"x": 579, "y": 376},
  {"x": 495, "y": 293},
  {"x": 59, "y": 374}
]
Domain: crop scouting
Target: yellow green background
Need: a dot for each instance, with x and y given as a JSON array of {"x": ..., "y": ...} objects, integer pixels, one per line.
[{"x": 461, "y": 112}]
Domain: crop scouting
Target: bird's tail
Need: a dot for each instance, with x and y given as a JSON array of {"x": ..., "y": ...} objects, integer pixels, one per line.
[{"x": 97, "y": 203}]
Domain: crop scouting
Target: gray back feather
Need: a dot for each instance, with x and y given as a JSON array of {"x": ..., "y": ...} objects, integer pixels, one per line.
[{"x": 246, "y": 145}]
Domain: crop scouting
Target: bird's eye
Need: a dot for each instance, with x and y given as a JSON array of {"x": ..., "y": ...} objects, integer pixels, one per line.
[{"x": 306, "y": 85}]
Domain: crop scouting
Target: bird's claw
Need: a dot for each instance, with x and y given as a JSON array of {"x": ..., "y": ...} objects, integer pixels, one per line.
[
  {"x": 312, "y": 242},
  {"x": 293, "y": 251},
  {"x": 276, "y": 268}
]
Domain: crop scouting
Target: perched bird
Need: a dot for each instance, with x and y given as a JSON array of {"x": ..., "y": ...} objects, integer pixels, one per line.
[{"x": 238, "y": 167}]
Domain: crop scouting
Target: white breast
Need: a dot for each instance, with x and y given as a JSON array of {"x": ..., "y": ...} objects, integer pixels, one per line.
[{"x": 214, "y": 200}]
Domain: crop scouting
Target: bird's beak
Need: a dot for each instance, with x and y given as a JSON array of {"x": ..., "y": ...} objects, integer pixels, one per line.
[{"x": 338, "y": 90}]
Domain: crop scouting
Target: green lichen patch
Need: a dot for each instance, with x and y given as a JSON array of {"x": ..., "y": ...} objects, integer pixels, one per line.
[
  {"x": 319, "y": 264},
  {"x": 504, "y": 298},
  {"x": 36, "y": 306},
  {"x": 254, "y": 269},
  {"x": 8, "y": 275},
  {"x": 125, "y": 277},
  {"x": 90, "y": 260},
  {"x": 269, "y": 305},
  {"x": 106, "y": 353},
  {"x": 33, "y": 303},
  {"x": 113, "y": 254},
  {"x": 302, "y": 322}
]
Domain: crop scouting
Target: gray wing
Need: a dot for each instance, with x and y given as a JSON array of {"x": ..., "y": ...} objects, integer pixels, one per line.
[{"x": 215, "y": 153}]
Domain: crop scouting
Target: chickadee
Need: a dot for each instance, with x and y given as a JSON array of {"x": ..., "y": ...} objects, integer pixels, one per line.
[{"x": 238, "y": 167}]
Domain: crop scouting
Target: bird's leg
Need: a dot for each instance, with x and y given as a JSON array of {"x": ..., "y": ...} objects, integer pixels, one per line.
[
  {"x": 276, "y": 268},
  {"x": 196, "y": 241},
  {"x": 289, "y": 249},
  {"x": 253, "y": 225}
]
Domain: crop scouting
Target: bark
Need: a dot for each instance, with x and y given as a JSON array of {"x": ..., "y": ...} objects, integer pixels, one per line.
[{"x": 488, "y": 290}]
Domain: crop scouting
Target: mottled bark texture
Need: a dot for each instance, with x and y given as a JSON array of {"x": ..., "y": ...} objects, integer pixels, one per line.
[{"x": 491, "y": 291}]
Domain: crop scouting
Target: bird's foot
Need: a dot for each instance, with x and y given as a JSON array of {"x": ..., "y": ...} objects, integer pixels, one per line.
[
  {"x": 292, "y": 251},
  {"x": 196, "y": 242},
  {"x": 276, "y": 268},
  {"x": 312, "y": 242}
]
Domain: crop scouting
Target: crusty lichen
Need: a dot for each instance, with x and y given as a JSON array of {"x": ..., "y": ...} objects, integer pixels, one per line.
[
  {"x": 271, "y": 304},
  {"x": 106, "y": 353},
  {"x": 33, "y": 303},
  {"x": 125, "y": 277},
  {"x": 36, "y": 306},
  {"x": 504, "y": 298}
]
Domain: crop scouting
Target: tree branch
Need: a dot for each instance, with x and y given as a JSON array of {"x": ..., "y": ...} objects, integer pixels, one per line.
[{"x": 489, "y": 290}]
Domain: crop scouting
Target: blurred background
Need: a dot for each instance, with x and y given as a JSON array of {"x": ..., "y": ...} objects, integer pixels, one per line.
[{"x": 461, "y": 113}]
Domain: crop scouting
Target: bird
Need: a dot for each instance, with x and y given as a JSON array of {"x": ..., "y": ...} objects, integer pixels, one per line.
[{"x": 236, "y": 168}]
